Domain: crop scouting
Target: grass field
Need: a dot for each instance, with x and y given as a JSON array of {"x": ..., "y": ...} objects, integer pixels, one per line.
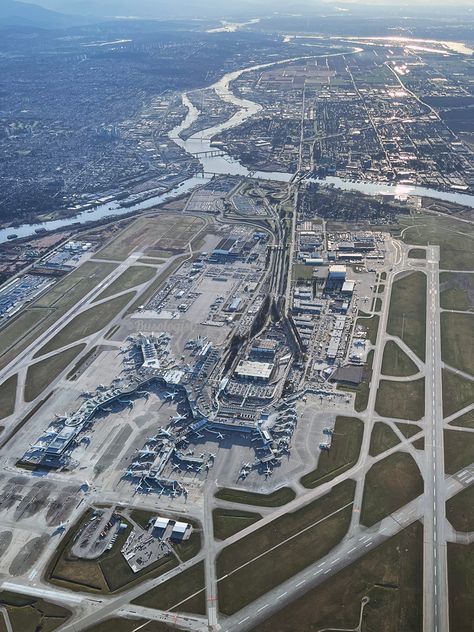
[
  {"x": 460, "y": 510},
  {"x": 42, "y": 373},
  {"x": 401, "y": 400},
  {"x": 135, "y": 275},
  {"x": 391, "y": 575},
  {"x": 18, "y": 333},
  {"x": 314, "y": 533},
  {"x": 163, "y": 233},
  {"x": 407, "y": 314},
  {"x": 454, "y": 238},
  {"x": 395, "y": 362},
  {"x": 302, "y": 272},
  {"x": 458, "y": 392},
  {"x": 64, "y": 294},
  {"x": 419, "y": 444},
  {"x": 389, "y": 484},
  {"x": 457, "y": 290},
  {"x": 371, "y": 326},
  {"x": 458, "y": 450},
  {"x": 460, "y": 582},
  {"x": 275, "y": 499},
  {"x": 408, "y": 430},
  {"x": 343, "y": 455},
  {"x": 86, "y": 323},
  {"x": 229, "y": 521},
  {"x": 464, "y": 421},
  {"x": 457, "y": 341},
  {"x": 417, "y": 253},
  {"x": 383, "y": 438},
  {"x": 8, "y": 396},
  {"x": 28, "y": 614},
  {"x": 178, "y": 593}
]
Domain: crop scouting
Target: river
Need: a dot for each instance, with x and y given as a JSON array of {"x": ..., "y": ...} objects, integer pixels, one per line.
[{"x": 226, "y": 165}]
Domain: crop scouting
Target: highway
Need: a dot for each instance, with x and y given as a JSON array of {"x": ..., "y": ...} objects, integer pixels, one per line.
[{"x": 435, "y": 593}]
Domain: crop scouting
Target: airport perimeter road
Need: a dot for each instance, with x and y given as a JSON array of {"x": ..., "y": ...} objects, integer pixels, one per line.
[{"x": 435, "y": 593}]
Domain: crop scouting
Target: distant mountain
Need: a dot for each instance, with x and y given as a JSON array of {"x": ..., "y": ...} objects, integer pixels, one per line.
[
  {"x": 166, "y": 9},
  {"x": 15, "y": 13}
]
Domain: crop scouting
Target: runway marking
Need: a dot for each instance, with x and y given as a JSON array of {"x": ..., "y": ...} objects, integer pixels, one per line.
[
  {"x": 282, "y": 594},
  {"x": 353, "y": 549},
  {"x": 263, "y": 607},
  {"x": 243, "y": 620},
  {"x": 300, "y": 583}
]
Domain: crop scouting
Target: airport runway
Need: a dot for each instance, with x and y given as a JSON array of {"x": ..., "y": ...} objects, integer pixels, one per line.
[{"x": 435, "y": 593}]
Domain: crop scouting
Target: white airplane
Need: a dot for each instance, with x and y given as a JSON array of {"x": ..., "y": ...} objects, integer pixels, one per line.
[
  {"x": 146, "y": 451},
  {"x": 171, "y": 395},
  {"x": 220, "y": 436},
  {"x": 177, "y": 418}
]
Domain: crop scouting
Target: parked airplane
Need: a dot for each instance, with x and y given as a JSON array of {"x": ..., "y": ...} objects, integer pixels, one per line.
[{"x": 171, "y": 395}]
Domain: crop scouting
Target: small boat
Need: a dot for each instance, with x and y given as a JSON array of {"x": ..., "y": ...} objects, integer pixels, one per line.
[{"x": 12, "y": 236}]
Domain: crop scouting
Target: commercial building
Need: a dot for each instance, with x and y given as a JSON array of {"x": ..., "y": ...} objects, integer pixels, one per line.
[{"x": 258, "y": 371}]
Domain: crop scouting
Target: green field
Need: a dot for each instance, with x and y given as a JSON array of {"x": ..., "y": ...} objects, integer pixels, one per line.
[
  {"x": 343, "y": 455},
  {"x": 391, "y": 575},
  {"x": 28, "y": 614},
  {"x": 129, "y": 625},
  {"x": 383, "y": 438},
  {"x": 457, "y": 341},
  {"x": 458, "y": 450},
  {"x": 249, "y": 568},
  {"x": 164, "y": 233},
  {"x": 230, "y": 521},
  {"x": 417, "y": 253},
  {"x": 69, "y": 290},
  {"x": 302, "y": 272},
  {"x": 457, "y": 290},
  {"x": 460, "y": 582},
  {"x": 455, "y": 238},
  {"x": 419, "y": 444},
  {"x": 460, "y": 510},
  {"x": 371, "y": 326},
  {"x": 86, "y": 323},
  {"x": 8, "y": 396},
  {"x": 42, "y": 373},
  {"x": 184, "y": 592},
  {"x": 389, "y": 484},
  {"x": 408, "y": 430},
  {"x": 22, "y": 330},
  {"x": 407, "y": 315},
  {"x": 458, "y": 392},
  {"x": 464, "y": 421},
  {"x": 275, "y": 499},
  {"x": 395, "y": 362},
  {"x": 401, "y": 400},
  {"x": 135, "y": 275}
]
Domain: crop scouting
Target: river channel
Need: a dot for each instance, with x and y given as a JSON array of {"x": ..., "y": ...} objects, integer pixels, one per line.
[{"x": 226, "y": 165}]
